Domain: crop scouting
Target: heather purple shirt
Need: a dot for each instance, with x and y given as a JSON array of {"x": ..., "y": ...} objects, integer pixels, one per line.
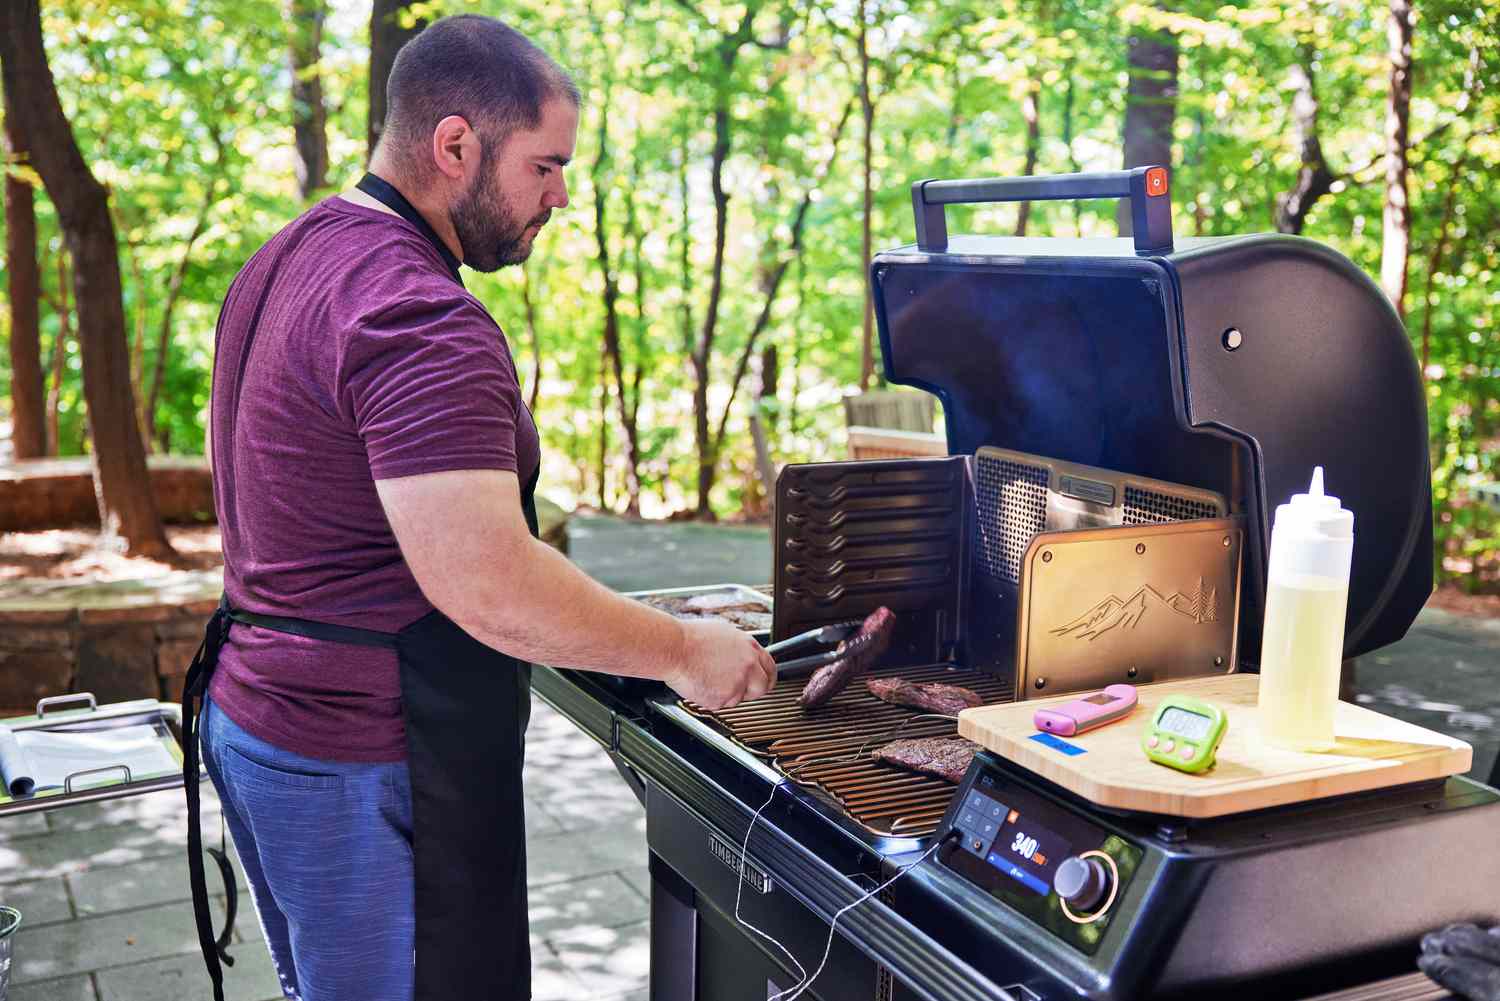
[{"x": 370, "y": 363}]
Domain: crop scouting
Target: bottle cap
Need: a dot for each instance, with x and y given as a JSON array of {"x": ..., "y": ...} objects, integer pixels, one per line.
[{"x": 1316, "y": 513}]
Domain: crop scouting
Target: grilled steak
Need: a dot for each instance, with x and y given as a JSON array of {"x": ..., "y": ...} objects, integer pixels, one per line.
[
  {"x": 747, "y": 615},
  {"x": 933, "y": 697},
  {"x": 860, "y": 651},
  {"x": 946, "y": 757}
]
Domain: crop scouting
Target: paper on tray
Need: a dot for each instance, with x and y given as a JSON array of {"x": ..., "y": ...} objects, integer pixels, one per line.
[{"x": 47, "y": 757}]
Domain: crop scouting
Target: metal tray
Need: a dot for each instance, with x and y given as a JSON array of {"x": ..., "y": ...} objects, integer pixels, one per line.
[{"x": 642, "y": 686}]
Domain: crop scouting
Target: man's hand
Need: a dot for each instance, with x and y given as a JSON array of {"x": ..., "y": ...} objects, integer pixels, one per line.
[
  {"x": 721, "y": 666},
  {"x": 1465, "y": 959}
]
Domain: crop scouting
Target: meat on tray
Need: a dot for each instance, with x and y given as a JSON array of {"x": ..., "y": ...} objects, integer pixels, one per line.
[
  {"x": 933, "y": 697},
  {"x": 946, "y": 757},
  {"x": 750, "y": 616}
]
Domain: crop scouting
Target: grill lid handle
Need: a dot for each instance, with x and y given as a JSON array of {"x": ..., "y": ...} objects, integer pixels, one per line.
[{"x": 1145, "y": 187}]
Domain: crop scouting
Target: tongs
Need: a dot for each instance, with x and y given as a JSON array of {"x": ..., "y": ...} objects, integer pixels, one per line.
[{"x": 837, "y": 633}]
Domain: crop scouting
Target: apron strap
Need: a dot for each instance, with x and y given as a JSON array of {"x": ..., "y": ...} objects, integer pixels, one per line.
[{"x": 194, "y": 689}]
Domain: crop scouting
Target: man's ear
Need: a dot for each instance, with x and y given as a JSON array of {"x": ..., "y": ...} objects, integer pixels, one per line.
[{"x": 455, "y": 147}]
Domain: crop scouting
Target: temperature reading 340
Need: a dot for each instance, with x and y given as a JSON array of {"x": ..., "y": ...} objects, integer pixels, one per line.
[{"x": 1026, "y": 848}]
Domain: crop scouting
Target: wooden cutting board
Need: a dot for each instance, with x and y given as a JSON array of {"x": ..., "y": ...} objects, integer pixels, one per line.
[{"x": 1372, "y": 751}]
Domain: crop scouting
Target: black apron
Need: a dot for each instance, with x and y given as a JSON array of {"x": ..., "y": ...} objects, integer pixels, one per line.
[{"x": 465, "y": 707}]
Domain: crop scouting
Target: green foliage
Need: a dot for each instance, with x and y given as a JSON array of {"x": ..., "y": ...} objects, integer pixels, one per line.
[{"x": 183, "y": 108}]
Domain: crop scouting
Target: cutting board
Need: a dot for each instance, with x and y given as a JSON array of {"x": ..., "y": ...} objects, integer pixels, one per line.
[{"x": 1372, "y": 751}]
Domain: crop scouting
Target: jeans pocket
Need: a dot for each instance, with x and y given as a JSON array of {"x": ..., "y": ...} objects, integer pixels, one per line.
[{"x": 246, "y": 769}]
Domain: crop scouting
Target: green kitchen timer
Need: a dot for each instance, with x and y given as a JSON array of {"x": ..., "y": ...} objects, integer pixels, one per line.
[{"x": 1184, "y": 733}]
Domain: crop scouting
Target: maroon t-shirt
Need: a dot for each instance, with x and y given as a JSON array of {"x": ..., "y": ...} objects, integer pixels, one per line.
[{"x": 369, "y": 362}]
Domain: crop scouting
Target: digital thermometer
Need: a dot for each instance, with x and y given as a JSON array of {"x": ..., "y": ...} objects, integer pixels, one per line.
[
  {"x": 1085, "y": 713},
  {"x": 1184, "y": 733}
]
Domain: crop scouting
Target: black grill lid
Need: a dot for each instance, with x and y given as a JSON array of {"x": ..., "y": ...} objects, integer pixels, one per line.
[{"x": 1234, "y": 364}]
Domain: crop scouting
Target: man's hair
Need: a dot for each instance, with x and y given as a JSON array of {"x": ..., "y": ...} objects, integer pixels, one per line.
[{"x": 473, "y": 66}]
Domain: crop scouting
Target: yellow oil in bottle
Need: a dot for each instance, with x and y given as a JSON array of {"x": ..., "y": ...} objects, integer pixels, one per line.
[{"x": 1301, "y": 653}]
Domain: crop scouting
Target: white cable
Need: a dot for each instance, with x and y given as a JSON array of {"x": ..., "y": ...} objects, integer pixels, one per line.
[
  {"x": 740, "y": 889},
  {"x": 792, "y": 993}
]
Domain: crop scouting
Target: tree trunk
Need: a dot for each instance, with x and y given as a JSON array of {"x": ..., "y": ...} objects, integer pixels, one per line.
[
  {"x": 1397, "y": 241},
  {"x": 867, "y": 109},
  {"x": 707, "y": 458},
  {"x": 611, "y": 295},
  {"x": 1032, "y": 115},
  {"x": 127, "y": 508},
  {"x": 1150, "y": 104},
  {"x": 1314, "y": 179},
  {"x": 28, "y": 433},
  {"x": 58, "y": 361},
  {"x": 603, "y": 427},
  {"x": 309, "y": 118},
  {"x": 529, "y": 305},
  {"x": 174, "y": 292},
  {"x": 386, "y": 38}
]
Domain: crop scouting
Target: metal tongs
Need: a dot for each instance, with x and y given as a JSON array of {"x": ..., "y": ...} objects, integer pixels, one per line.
[{"x": 836, "y": 633}]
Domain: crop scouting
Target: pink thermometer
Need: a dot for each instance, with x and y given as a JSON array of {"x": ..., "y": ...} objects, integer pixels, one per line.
[{"x": 1085, "y": 713}]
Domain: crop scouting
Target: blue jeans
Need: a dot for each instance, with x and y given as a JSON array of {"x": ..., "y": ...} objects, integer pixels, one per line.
[{"x": 327, "y": 851}]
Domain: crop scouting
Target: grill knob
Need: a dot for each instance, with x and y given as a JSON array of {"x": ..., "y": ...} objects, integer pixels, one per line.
[{"x": 1081, "y": 882}]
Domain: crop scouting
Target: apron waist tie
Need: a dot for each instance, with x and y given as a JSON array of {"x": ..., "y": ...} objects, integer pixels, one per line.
[{"x": 194, "y": 692}]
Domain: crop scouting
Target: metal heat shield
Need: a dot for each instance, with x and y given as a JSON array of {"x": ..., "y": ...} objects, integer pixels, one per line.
[{"x": 1102, "y": 577}]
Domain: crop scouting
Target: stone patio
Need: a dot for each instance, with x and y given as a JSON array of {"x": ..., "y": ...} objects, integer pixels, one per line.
[{"x": 104, "y": 888}]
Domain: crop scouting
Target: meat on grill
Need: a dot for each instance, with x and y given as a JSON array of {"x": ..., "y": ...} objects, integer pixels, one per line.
[
  {"x": 946, "y": 757},
  {"x": 860, "y": 651},
  {"x": 933, "y": 697},
  {"x": 747, "y": 615}
]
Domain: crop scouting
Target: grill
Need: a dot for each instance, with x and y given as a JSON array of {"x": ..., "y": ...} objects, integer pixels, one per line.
[
  {"x": 830, "y": 749},
  {"x": 1095, "y": 414}
]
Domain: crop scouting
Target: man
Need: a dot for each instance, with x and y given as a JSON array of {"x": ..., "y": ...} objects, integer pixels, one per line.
[{"x": 373, "y": 471}]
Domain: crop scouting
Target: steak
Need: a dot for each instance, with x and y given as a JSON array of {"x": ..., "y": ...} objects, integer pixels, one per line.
[
  {"x": 747, "y": 615},
  {"x": 934, "y": 697},
  {"x": 946, "y": 757},
  {"x": 860, "y": 651}
]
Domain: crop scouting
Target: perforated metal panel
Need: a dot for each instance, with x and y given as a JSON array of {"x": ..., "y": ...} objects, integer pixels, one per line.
[
  {"x": 1012, "y": 502},
  {"x": 1152, "y": 507}
]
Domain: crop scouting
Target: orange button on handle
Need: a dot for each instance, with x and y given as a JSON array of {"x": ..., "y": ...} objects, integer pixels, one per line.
[{"x": 1156, "y": 182}]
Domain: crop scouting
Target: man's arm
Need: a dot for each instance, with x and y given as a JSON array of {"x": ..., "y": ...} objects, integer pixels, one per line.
[{"x": 465, "y": 539}]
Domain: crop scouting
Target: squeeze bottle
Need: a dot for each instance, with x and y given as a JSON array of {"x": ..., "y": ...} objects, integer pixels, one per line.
[{"x": 1302, "y": 642}]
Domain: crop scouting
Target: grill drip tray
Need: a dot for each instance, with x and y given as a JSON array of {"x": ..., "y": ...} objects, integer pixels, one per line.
[{"x": 829, "y": 750}]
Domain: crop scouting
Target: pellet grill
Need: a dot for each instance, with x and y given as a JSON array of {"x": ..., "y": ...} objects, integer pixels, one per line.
[{"x": 1127, "y": 395}]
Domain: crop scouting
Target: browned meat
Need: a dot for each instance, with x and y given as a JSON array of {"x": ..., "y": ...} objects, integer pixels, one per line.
[
  {"x": 946, "y": 757},
  {"x": 746, "y": 615},
  {"x": 860, "y": 652},
  {"x": 933, "y": 697}
]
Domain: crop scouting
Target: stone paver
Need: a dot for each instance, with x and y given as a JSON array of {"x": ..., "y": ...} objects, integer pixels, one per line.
[
  {"x": 75, "y": 988},
  {"x": 104, "y": 888},
  {"x": 183, "y": 978}
]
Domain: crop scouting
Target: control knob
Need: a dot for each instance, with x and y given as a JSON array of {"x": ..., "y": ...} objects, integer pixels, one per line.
[{"x": 1081, "y": 882}]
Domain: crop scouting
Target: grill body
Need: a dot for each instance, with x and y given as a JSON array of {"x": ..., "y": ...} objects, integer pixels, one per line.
[{"x": 1225, "y": 369}]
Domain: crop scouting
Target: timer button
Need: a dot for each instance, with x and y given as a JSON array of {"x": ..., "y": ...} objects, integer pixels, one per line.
[
  {"x": 1153, "y": 740},
  {"x": 1186, "y": 753},
  {"x": 1081, "y": 882},
  {"x": 1169, "y": 746}
]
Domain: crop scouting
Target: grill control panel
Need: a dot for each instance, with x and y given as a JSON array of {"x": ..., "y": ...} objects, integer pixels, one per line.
[{"x": 1057, "y": 867}]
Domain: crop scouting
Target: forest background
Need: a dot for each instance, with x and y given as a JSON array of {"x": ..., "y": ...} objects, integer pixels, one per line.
[{"x": 738, "y": 164}]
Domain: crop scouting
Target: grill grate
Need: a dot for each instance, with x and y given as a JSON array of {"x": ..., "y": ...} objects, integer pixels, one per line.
[
  {"x": 829, "y": 748},
  {"x": 1012, "y": 500}
]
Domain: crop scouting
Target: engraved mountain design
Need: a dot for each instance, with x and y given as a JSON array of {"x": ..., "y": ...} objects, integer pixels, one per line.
[{"x": 1201, "y": 605}]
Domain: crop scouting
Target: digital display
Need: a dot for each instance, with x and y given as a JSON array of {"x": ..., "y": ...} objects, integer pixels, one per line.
[
  {"x": 1194, "y": 726},
  {"x": 1100, "y": 699},
  {"x": 1028, "y": 853}
]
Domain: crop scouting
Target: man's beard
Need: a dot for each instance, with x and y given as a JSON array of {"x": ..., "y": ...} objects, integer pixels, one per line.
[{"x": 488, "y": 232}]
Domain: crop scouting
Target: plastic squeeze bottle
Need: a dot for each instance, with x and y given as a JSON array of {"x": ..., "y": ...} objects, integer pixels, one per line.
[{"x": 1302, "y": 643}]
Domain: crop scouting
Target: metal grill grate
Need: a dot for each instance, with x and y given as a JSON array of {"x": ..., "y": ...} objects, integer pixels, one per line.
[
  {"x": 829, "y": 748},
  {"x": 1012, "y": 501},
  {"x": 1152, "y": 507}
]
